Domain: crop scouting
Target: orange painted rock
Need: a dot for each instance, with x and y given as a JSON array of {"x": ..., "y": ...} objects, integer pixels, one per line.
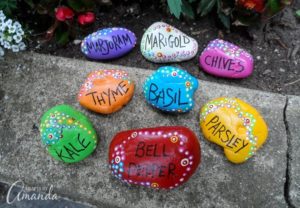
[{"x": 106, "y": 91}]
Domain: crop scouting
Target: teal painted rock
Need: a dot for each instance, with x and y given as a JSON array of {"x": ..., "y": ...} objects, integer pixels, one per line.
[
  {"x": 171, "y": 89},
  {"x": 67, "y": 134}
]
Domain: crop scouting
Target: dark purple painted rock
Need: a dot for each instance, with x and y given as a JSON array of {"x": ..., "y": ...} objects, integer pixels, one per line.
[{"x": 108, "y": 43}]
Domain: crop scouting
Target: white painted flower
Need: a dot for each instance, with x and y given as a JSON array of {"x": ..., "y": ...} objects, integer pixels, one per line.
[
  {"x": 2, "y": 15},
  {"x": 22, "y": 46},
  {"x": 11, "y": 35},
  {"x": 9, "y": 38},
  {"x": 1, "y": 49},
  {"x": 8, "y": 23},
  {"x": 11, "y": 29},
  {"x": 2, "y": 21},
  {"x": 17, "y": 25},
  {"x": 17, "y": 38},
  {"x": 19, "y": 31},
  {"x": 2, "y": 27},
  {"x": 7, "y": 45},
  {"x": 15, "y": 48}
]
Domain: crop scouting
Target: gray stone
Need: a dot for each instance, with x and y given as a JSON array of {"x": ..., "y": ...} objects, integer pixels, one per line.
[
  {"x": 217, "y": 183},
  {"x": 293, "y": 124}
]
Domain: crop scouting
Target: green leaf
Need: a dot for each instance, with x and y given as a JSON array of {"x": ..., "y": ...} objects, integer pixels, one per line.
[
  {"x": 273, "y": 5},
  {"x": 8, "y": 6},
  {"x": 175, "y": 7},
  {"x": 206, "y": 6},
  {"x": 88, "y": 3},
  {"x": 224, "y": 19},
  {"x": 187, "y": 9},
  {"x": 76, "y": 5},
  {"x": 62, "y": 37},
  {"x": 298, "y": 13},
  {"x": 191, "y": 1},
  {"x": 30, "y": 3}
]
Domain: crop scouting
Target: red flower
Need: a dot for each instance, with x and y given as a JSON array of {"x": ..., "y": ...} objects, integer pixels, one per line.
[
  {"x": 256, "y": 5},
  {"x": 86, "y": 18},
  {"x": 63, "y": 13}
]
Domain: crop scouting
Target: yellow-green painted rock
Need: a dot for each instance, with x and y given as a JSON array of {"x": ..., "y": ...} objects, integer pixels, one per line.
[
  {"x": 67, "y": 134},
  {"x": 234, "y": 125}
]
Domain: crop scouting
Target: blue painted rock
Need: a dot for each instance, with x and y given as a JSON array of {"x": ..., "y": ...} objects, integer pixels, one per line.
[
  {"x": 67, "y": 134},
  {"x": 108, "y": 43},
  {"x": 171, "y": 89},
  {"x": 162, "y": 43},
  {"x": 225, "y": 59}
]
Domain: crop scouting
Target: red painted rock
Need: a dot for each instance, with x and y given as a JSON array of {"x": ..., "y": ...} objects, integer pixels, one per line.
[{"x": 161, "y": 157}]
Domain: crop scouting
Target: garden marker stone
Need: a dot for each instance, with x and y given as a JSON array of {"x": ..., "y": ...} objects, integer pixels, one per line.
[
  {"x": 171, "y": 89},
  {"x": 224, "y": 59},
  {"x": 234, "y": 125},
  {"x": 163, "y": 43},
  {"x": 67, "y": 134},
  {"x": 160, "y": 158},
  {"x": 106, "y": 91},
  {"x": 108, "y": 43}
]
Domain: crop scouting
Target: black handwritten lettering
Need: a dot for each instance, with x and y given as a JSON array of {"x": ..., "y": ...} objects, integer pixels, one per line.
[
  {"x": 171, "y": 169},
  {"x": 224, "y": 63},
  {"x": 150, "y": 150},
  {"x": 61, "y": 156},
  {"x": 225, "y": 135},
  {"x": 139, "y": 152},
  {"x": 151, "y": 170},
  {"x": 161, "y": 40},
  {"x": 166, "y": 96},
  {"x": 105, "y": 46},
  {"x": 69, "y": 151},
  {"x": 104, "y": 97},
  {"x": 81, "y": 142},
  {"x": 244, "y": 144},
  {"x": 162, "y": 171}
]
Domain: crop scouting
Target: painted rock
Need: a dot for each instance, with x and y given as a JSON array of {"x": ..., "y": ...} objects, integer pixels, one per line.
[
  {"x": 234, "y": 125},
  {"x": 171, "y": 89},
  {"x": 162, "y": 43},
  {"x": 161, "y": 157},
  {"x": 67, "y": 134},
  {"x": 106, "y": 91},
  {"x": 224, "y": 59},
  {"x": 108, "y": 43}
]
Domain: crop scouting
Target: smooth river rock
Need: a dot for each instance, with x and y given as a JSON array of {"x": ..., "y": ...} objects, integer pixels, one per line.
[
  {"x": 108, "y": 43},
  {"x": 234, "y": 125},
  {"x": 67, "y": 134},
  {"x": 171, "y": 89},
  {"x": 224, "y": 59},
  {"x": 163, "y": 43},
  {"x": 160, "y": 158},
  {"x": 106, "y": 91}
]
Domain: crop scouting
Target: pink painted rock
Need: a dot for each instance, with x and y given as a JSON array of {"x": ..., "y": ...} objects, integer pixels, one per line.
[{"x": 225, "y": 59}]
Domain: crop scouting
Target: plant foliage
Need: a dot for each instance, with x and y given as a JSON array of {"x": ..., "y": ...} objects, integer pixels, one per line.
[
  {"x": 7, "y": 6},
  {"x": 239, "y": 12},
  {"x": 61, "y": 31}
]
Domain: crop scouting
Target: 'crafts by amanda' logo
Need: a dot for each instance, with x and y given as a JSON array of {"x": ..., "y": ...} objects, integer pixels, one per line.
[{"x": 19, "y": 192}]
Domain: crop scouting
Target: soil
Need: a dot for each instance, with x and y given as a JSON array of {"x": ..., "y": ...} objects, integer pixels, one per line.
[{"x": 274, "y": 44}]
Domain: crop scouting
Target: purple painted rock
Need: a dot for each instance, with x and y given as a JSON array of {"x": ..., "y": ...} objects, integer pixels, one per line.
[
  {"x": 225, "y": 59},
  {"x": 108, "y": 43}
]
